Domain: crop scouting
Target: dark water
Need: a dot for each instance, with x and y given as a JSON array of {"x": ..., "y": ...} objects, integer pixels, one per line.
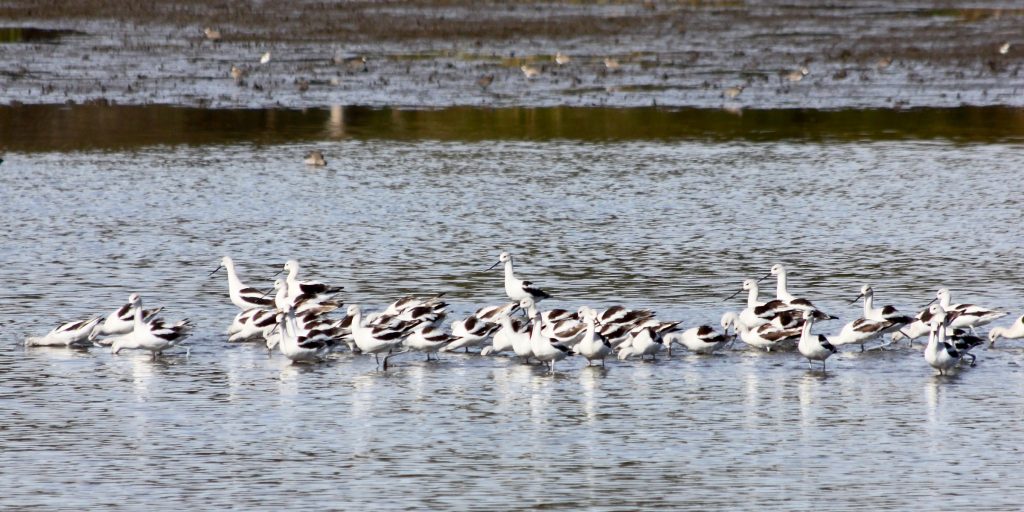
[{"x": 671, "y": 223}]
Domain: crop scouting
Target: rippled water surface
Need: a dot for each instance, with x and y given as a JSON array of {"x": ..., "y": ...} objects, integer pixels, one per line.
[{"x": 669, "y": 225}]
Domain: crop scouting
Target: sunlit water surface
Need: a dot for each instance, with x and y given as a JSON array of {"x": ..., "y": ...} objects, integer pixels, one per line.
[{"x": 673, "y": 226}]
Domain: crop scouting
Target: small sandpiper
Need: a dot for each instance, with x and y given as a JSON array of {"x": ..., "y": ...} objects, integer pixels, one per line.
[{"x": 316, "y": 158}]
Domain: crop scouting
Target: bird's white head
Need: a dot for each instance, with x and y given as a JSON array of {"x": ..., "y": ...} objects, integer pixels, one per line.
[
  {"x": 938, "y": 315},
  {"x": 526, "y": 304},
  {"x": 278, "y": 284},
  {"x": 353, "y": 310},
  {"x": 777, "y": 269},
  {"x": 135, "y": 300},
  {"x": 729, "y": 319},
  {"x": 749, "y": 284},
  {"x": 943, "y": 295},
  {"x": 291, "y": 266}
]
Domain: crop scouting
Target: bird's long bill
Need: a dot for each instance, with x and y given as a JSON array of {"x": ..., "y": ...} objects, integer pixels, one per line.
[
  {"x": 496, "y": 263},
  {"x": 277, "y": 273},
  {"x": 766, "y": 276},
  {"x": 734, "y": 294},
  {"x": 215, "y": 270},
  {"x": 856, "y": 298},
  {"x": 266, "y": 293},
  {"x": 930, "y": 303}
]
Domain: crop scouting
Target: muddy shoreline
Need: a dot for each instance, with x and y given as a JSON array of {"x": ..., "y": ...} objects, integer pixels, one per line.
[{"x": 874, "y": 54}]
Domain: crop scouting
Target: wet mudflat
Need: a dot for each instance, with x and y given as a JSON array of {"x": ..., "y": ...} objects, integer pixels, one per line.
[{"x": 801, "y": 54}]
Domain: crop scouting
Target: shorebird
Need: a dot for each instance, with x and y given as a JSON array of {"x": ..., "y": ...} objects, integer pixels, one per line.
[
  {"x": 782, "y": 293},
  {"x": 121, "y": 320},
  {"x": 375, "y": 340},
  {"x": 561, "y": 58},
  {"x": 68, "y": 334},
  {"x": 938, "y": 353},
  {"x": 315, "y": 157},
  {"x": 153, "y": 335},
  {"x": 517, "y": 289},
  {"x": 1004, "y": 48},
  {"x": 530, "y": 72},
  {"x": 428, "y": 339},
  {"x": 212, "y": 34},
  {"x": 611, "y": 64},
  {"x": 968, "y": 316},
  {"x": 814, "y": 348},
  {"x": 299, "y": 348},
  {"x": 543, "y": 349},
  {"x": 245, "y": 297},
  {"x": 265, "y": 58},
  {"x": 732, "y": 92},
  {"x": 699, "y": 340},
  {"x": 593, "y": 345},
  {"x": 797, "y": 75},
  {"x": 1013, "y": 332}
]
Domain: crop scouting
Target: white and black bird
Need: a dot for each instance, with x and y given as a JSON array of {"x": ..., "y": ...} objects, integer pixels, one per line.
[{"x": 515, "y": 288}]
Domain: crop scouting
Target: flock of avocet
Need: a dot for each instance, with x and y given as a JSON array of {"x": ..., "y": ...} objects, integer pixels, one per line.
[{"x": 296, "y": 319}]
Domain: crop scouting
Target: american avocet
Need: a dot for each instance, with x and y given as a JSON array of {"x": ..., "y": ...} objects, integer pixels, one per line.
[
  {"x": 593, "y": 345},
  {"x": 1014, "y": 332},
  {"x": 251, "y": 323},
  {"x": 265, "y": 58},
  {"x": 523, "y": 345},
  {"x": 298, "y": 288},
  {"x": 492, "y": 314},
  {"x": 814, "y": 348},
  {"x": 67, "y": 334},
  {"x": 765, "y": 336},
  {"x": 517, "y": 289},
  {"x": 121, "y": 320},
  {"x": 757, "y": 313},
  {"x": 919, "y": 327},
  {"x": 644, "y": 341},
  {"x": 702, "y": 339},
  {"x": 315, "y": 158},
  {"x": 618, "y": 315},
  {"x": 885, "y": 313},
  {"x": 428, "y": 339},
  {"x": 861, "y": 331},
  {"x": 153, "y": 335},
  {"x": 316, "y": 304},
  {"x": 294, "y": 346},
  {"x": 245, "y": 297},
  {"x": 409, "y": 302},
  {"x": 782, "y": 293},
  {"x": 374, "y": 340},
  {"x": 938, "y": 353},
  {"x": 530, "y": 72},
  {"x": 970, "y": 316},
  {"x": 543, "y": 349},
  {"x": 505, "y": 338},
  {"x": 470, "y": 332},
  {"x": 1004, "y": 48}
]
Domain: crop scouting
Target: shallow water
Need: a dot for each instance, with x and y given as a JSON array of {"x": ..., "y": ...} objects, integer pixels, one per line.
[{"x": 672, "y": 225}]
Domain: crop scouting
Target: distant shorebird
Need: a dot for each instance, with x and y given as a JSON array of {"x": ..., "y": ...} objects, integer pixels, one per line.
[
  {"x": 237, "y": 73},
  {"x": 561, "y": 58},
  {"x": 212, "y": 34},
  {"x": 485, "y": 81},
  {"x": 517, "y": 289},
  {"x": 265, "y": 58},
  {"x": 883, "y": 63},
  {"x": 611, "y": 64},
  {"x": 315, "y": 157},
  {"x": 1004, "y": 48},
  {"x": 530, "y": 72},
  {"x": 732, "y": 92},
  {"x": 797, "y": 75},
  {"x": 353, "y": 64}
]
